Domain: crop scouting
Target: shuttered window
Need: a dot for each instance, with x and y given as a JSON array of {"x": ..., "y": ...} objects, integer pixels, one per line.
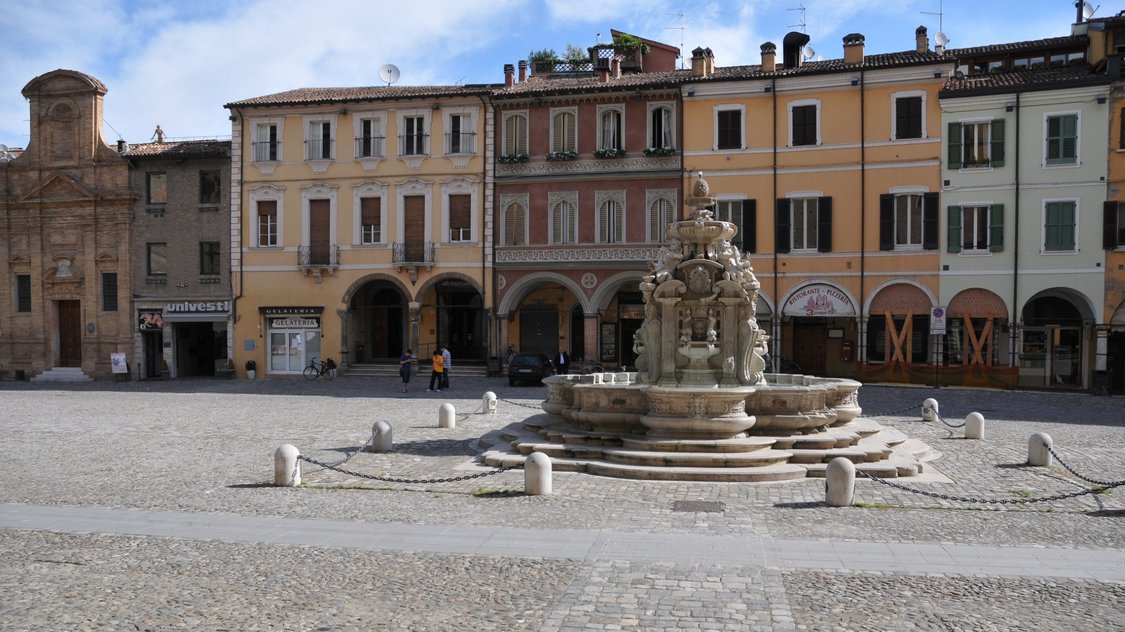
[
  {"x": 267, "y": 223},
  {"x": 515, "y": 225},
  {"x": 371, "y": 219},
  {"x": 460, "y": 217},
  {"x": 660, "y": 214},
  {"x": 564, "y": 132},
  {"x": 515, "y": 134},
  {"x": 1058, "y": 229},
  {"x": 611, "y": 223},
  {"x": 564, "y": 223}
]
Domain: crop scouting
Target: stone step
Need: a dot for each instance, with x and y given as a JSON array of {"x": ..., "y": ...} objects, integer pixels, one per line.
[
  {"x": 62, "y": 374},
  {"x": 371, "y": 369},
  {"x": 758, "y": 458},
  {"x": 824, "y": 441},
  {"x": 710, "y": 446},
  {"x": 882, "y": 469},
  {"x": 769, "y": 473}
]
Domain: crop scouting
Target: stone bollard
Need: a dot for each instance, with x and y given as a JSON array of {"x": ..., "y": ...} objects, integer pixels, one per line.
[
  {"x": 447, "y": 416},
  {"x": 537, "y": 474},
  {"x": 1037, "y": 449},
  {"x": 286, "y": 466},
  {"x": 381, "y": 439},
  {"x": 930, "y": 410},
  {"x": 489, "y": 400},
  {"x": 974, "y": 426},
  {"x": 839, "y": 482}
]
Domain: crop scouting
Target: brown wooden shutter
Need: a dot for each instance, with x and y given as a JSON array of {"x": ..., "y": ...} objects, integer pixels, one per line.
[
  {"x": 320, "y": 215},
  {"x": 267, "y": 216},
  {"x": 460, "y": 215},
  {"x": 414, "y": 214}
]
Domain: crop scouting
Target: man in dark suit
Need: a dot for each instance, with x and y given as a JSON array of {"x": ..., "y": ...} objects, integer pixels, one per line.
[{"x": 562, "y": 362}]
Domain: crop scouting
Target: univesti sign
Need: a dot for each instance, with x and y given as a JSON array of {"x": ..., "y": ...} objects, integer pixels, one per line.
[
  {"x": 200, "y": 307},
  {"x": 819, "y": 300}
]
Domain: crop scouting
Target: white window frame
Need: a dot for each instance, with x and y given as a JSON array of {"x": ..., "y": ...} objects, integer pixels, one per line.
[
  {"x": 256, "y": 124},
  {"x": 652, "y": 196},
  {"x": 413, "y": 161},
  {"x": 379, "y": 120},
  {"x": 267, "y": 193},
  {"x": 369, "y": 190},
  {"x": 1077, "y": 114},
  {"x": 558, "y": 111},
  {"x": 523, "y": 200},
  {"x": 819, "y": 128},
  {"x": 518, "y": 148},
  {"x": 468, "y": 131},
  {"x": 603, "y": 111},
  {"x": 907, "y": 94},
  {"x": 794, "y": 199},
  {"x": 986, "y": 208},
  {"x": 670, "y": 133},
  {"x": 1043, "y": 225},
  {"x": 600, "y": 199},
  {"x": 727, "y": 107},
  {"x": 979, "y": 163},
  {"x": 554, "y": 198},
  {"x": 914, "y": 193},
  {"x": 460, "y": 187}
]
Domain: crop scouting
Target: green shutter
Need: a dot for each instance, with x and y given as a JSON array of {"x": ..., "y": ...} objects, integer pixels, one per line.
[
  {"x": 953, "y": 234},
  {"x": 954, "y": 138},
  {"x": 997, "y": 157},
  {"x": 930, "y": 211},
  {"x": 996, "y": 228}
]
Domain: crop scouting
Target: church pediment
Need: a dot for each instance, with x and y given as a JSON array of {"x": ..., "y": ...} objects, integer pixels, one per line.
[{"x": 59, "y": 187}]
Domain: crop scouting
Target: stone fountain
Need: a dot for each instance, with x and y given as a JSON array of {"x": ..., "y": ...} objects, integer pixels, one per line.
[{"x": 700, "y": 405}]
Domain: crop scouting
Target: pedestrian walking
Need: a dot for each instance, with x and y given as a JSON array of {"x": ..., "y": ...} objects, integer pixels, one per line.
[
  {"x": 438, "y": 369},
  {"x": 405, "y": 368},
  {"x": 448, "y": 362},
  {"x": 562, "y": 361}
]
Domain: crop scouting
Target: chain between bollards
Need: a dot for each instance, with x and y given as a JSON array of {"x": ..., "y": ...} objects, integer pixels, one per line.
[
  {"x": 989, "y": 501},
  {"x": 390, "y": 479}
]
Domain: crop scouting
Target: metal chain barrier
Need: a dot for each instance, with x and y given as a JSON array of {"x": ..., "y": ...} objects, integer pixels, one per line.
[
  {"x": 990, "y": 501},
  {"x": 349, "y": 455},
  {"x": 390, "y": 479},
  {"x": 894, "y": 413},
  {"x": 1093, "y": 481},
  {"x": 508, "y": 401},
  {"x": 942, "y": 420}
]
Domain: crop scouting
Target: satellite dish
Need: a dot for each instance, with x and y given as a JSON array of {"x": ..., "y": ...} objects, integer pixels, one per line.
[
  {"x": 3, "y": 148},
  {"x": 807, "y": 52},
  {"x": 389, "y": 73},
  {"x": 940, "y": 39},
  {"x": 1088, "y": 10}
]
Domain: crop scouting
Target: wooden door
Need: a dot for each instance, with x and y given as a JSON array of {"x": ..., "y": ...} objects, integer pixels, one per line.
[
  {"x": 415, "y": 227},
  {"x": 70, "y": 333},
  {"x": 319, "y": 237},
  {"x": 539, "y": 331},
  {"x": 809, "y": 348}
]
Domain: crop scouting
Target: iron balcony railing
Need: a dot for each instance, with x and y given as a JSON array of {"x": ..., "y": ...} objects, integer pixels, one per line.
[
  {"x": 370, "y": 146},
  {"x": 266, "y": 151},
  {"x": 307, "y": 256},
  {"x": 461, "y": 143},
  {"x": 319, "y": 149},
  {"x": 413, "y": 144},
  {"x": 414, "y": 253}
]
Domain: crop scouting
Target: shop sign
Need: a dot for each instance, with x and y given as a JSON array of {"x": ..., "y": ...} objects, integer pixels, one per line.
[
  {"x": 150, "y": 321},
  {"x": 819, "y": 300},
  {"x": 294, "y": 322},
  {"x": 201, "y": 307}
]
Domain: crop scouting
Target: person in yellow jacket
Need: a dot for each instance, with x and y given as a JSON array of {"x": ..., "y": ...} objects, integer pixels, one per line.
[{"x": 439, "y": 368}]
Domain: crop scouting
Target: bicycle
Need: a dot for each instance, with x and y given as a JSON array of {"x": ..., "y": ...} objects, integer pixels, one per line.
[{"x": 316, "y": 369}]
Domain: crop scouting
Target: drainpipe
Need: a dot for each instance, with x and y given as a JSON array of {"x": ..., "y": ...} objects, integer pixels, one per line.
[
  {"x": 1016, "y": 249},
  {"x": 486, "y": 326},
  {"x": 776, "y": 283},
  {"x": 861, "y": 330}
]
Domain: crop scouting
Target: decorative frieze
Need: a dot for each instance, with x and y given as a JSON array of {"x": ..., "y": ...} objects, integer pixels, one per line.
[
  {"x": 585, "y": 255},
  {"x": 585, "y": 166}
]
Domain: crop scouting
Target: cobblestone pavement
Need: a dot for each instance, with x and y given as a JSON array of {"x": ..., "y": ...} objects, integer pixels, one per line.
[{"x": 206, "y": 446}]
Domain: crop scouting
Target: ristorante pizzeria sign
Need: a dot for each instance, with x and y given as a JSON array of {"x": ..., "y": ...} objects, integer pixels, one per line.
[{"x": 819, "y": 300}]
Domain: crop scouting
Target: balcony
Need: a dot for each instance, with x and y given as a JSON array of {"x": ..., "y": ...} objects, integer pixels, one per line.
[
  {"x": 411, "y": 256},
  {"x": 318, "y": 260},
  {"x": 370, "y": 146}
]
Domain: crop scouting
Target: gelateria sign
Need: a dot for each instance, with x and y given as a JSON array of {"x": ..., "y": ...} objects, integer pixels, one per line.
[
  {"x": 819, "y": 300},
  {"x": 294, "y": 322}
]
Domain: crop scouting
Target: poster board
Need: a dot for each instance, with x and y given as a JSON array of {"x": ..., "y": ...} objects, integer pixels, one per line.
[
  {"x": 118, "y": 363},
  {"x": 609, "y": 342}
]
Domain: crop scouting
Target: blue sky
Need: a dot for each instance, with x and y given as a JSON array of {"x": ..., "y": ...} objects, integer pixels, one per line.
[{"x": 177, "y": 62}]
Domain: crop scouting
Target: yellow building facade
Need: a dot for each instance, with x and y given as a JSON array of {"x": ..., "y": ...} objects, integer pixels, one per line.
[
  {"x": 361, "y": 225},
  {"x": 831, "y": 170}
]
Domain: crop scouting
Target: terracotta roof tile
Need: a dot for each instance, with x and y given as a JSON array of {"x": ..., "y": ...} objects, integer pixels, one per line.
[
  {"x": 1070, "y": 41},
  {"x": 181, "y": 149},
  {"x": 568, "y": 84},
  {"x": 313, "y": 96},
  {"x": 1023, "y": 80}
]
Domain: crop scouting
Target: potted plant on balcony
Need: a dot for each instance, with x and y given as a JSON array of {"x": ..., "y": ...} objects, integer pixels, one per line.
[
  {"x": 553, "y": 156},
  {"x": 251, "y": 369},
  {"x": 511, "y": 159},
  {"x": 659, "y": 151},
  {"x": 609, "y": 153}
]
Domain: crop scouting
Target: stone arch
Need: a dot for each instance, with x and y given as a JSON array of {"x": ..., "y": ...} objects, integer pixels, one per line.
[
  {"x": 1081, "y": 303},
  {"x": 1118, "y": 318},
  {"x": 979, "y": 303},
  {"x": 349, "y": 293},
  {"x": 900, "y": 295},
  {"x": 521, "y": 287},
  {"x": 608, "y": 288},
  {"x": 444, "y": 276},
  {"x": 795, "y": 290}
]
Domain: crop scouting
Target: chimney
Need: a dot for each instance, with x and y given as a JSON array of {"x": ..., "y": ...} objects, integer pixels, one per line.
[
  {"x": 523, "y": 70},
  {"x": 853, "y": 48},
  {"x": 769, "y": 57},
  {"x": 921, "y": 41},
  {"x": 121, "y": 145},
  {"x": 698, "y": 63},
  {"x": 509, "y": 75},
  {"x": 791, "y": 48},
  {"x": 603, "y": 74},
  {"x": 615, "y": 67},
  {"x": 709, "y": 61}
]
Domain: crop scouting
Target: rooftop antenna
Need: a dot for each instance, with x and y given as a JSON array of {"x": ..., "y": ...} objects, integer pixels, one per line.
[
  {"x": 940, "y": 39},
  {"x": 801, "y": 24},
  {"x": 680, "y": 28},
  {"x": 389, "y": 73}
]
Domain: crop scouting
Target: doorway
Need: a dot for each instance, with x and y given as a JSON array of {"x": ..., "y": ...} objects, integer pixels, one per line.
[
  {"x": 70, "y": 333},
  {"x": 809, "y": 344}
]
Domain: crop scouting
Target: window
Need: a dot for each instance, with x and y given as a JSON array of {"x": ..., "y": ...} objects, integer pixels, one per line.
[
  {"x": 976, "y": 144},
  {"x": 515, "y": 134},
  {"x": 661, "y": 128},
  {"x": 1062, "y": 139},
  {"x": 461, "y": 138},
  {"x": 661, "y": 213},
  {"x": 413, "y": 137},
  {"x": 804, "y": 224},
  {"x": 564, "y": 134},
  {"x": 804, "y": 130},
  {"x": 728, "y": 129},
  {"x": 976, "y": 228},
  {"x": 267, "y": 223},
  {"x": 908, "y": 117},
  {"x": 318, "y": 144},
  {"x": 460, "y": 217},
  {"x": 610, "y": 131},
  {"x": 743, "y": 214},
  {"x": 156, "y": 188},
  {"x": 109, "y": 291},
  {"x": 370, "y": 142},
  {"x": 515, "y": 225},
  {"x": 210, "y": 189},
  {"x": 611, "y": 222},
  {"x": 157, "y": 259},
  {"x": 23, "y": 293},
  {"x": 1058, "y": 226},
  {"x": 209, "y": 253},
  {"x": 267, "y": 145},
  {"x": 564, "y": 219},
  {"x": 908, "y": 220},
  {"x": 371, "y": 220}
]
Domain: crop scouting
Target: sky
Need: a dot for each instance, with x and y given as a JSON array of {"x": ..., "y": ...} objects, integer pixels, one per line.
[{"x": 176, "y": 63}]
